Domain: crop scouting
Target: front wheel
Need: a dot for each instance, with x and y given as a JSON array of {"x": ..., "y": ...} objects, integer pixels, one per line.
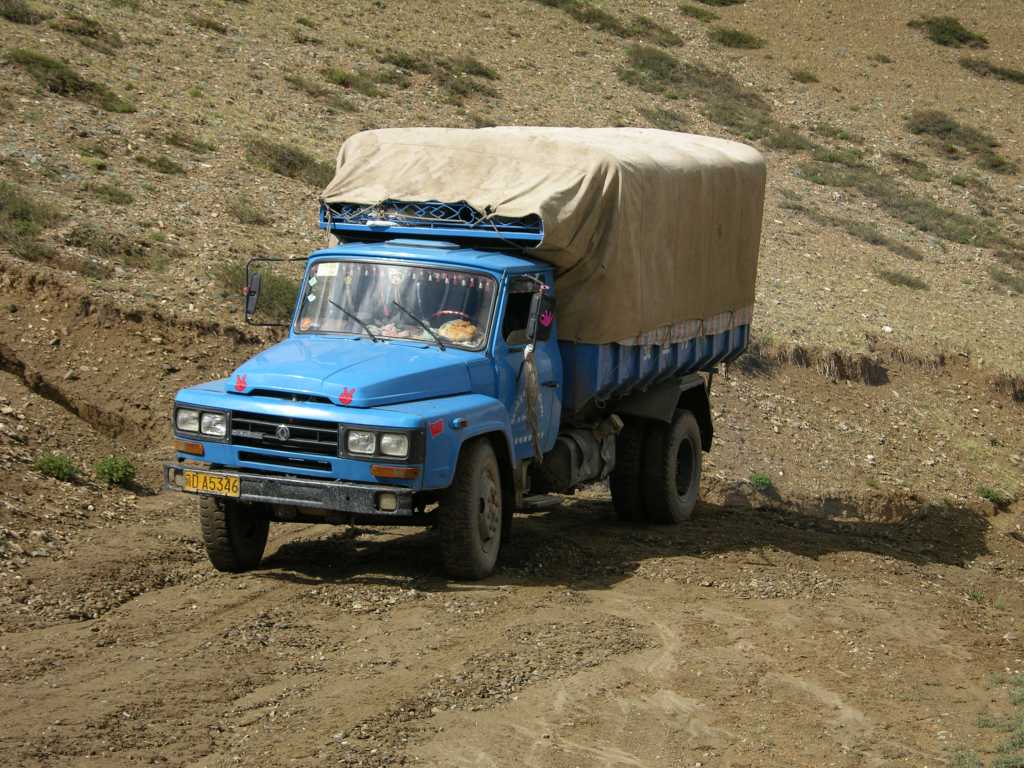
[
  {"x": 235, "y": 534},
  {"x": 470, "y": 514},
  {"x": 673, "y": 460}
]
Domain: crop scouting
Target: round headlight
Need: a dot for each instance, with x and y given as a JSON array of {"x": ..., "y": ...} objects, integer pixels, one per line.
[
  {"x": 214, "y": 424},
  {"x": 394, "y": 445},
  {"x": 187, "y": 420},
  {"x": 361, "y": 442}
]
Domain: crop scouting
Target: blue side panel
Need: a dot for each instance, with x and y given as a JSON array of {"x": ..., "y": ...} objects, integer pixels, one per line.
[{"x": 608, "y": 371}]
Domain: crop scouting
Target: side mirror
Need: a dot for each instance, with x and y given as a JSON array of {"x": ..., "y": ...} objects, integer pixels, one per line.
[
  {"x": 542, "y": 316},
  {"x": 252, "y": 292}
]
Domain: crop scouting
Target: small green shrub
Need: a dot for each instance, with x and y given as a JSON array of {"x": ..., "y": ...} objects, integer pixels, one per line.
[
  {"x": 722, "y": 3},
  {"x": 951, "y": 137},
  {"x": 111, "y": 193},
  {"x": 948, "y": 31},
  {"x": 903, "y": 280},
  {"x": 115, "y": 470},
  {"x": 289, "y": 161},
  {"x": 195, "y": 92},
  {"x": 57, "y": 77},
  {"x": 698, "y": 13},
  {"x": 665, "y": 119},
  {"x": 735, "y": 38},
  {"x": 998, "y": 498},
  {"x": 761, "y": 482},
  {"x": 803, "y": 76},
  {"x": 208, "y": 23},
  {"x": 161, "y": 164},
  {"x": 589, "y": 14},
  {"x": 21, "y": 220},
  {"x": 57, "y": 466},
  {"x": 191, "y": 143},
  {"x": 90, "y": 32},
  {"x": 458, "y": 77},
  {"x": 985, "y": 68},
  {"x": 648, "y": 30},
  {"x": 970, "y": 181},
  {"x": 304, "y": 38},
  {"x": 911, "y": 167},
  {"x": 246, "y": 211},
  {"x": 851, "y": 158},
  {"x": 306, "y": 22},
  {"x": 107, "y": 244},
  {"x": 19, "y": 12}
]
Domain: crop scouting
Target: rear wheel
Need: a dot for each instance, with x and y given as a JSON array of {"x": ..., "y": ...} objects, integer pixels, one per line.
[
  {"x": 672, "y": 462},
  {"x": 626, "y": 481},
  {"x": 470, "y": 514},
  {"x": 235, "y": 534}
]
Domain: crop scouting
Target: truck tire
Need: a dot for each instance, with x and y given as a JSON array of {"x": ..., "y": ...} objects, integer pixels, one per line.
[
  {"x": 626, "y": 481},
  {"x": 470, "y": 514},
  {"x": 671, "y": 469},
  {"x": 234, "y": 533}
]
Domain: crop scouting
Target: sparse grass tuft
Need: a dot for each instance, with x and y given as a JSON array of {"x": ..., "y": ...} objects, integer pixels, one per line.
[
  {"x": 129, "y": 251},
  {"x": 20, "y": 12},
  {"x": 306, "y": 22},
  {"x": 191, "y": 143},
  {"x": 788, "y": 139},
  {"x": 161, "y": 164},
  {"x": 698, "y": 13},
  {"x": 115, "y": 470},
  {"x": 948, "y": 31},
  {"x": 829, "y": 131},
  {"x": 57, "y": 466},
  {"x": 911, "y": 167},
  {"x": 803, "y": 76},
  {"x": 57, "y": 77},
  {"x": 90, "y": 32},
  {"x": 761, "y": 482},
  {"x": 360, "y": 82},
  {"x": 111, "y": 193},
  {"x": 648, "y": 30},
  {"x": 307, "y": 86},
  {"x": 277, "y": 292},
  {"x": 304, "y": 38},
  {"x": 985, "y": 68},
  {"x": 208, "y": 23},
  {"x": 920, "y": 212},
  {"x": 880, "y": 58},
  {"x": 457, "y": 76},
  {"x": 998, "y": 498},
  {"x": 735, "y": 38},
  {"x": 595, "y": 17},
  {"x": 725, "y": 101},
  {"x": 865, "y": 231},
  {"x": 851, "y": 158},
  {"x": 665, "y": 119},
  {"x": 21, "y": 220},
  {"x": 247, "y": 211},
  {"x": 903, "y": 280},
  {"x": 722, "y": 3},
  {"x": 951, "y": 137},
  {"x": 1008, "y": 280},
  {"x": 289, "y": 161}
]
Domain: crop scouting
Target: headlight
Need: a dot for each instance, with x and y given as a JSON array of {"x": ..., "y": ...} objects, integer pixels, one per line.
[
  {"x": 394, "y": 445},
  {"x": 187, "y": 420},
  {"x": 361, "y": 442},
  {"x": 214, "y": 424}
]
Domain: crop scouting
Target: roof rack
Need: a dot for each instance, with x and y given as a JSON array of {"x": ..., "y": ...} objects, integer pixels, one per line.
[{"x": 432, "y": 219}]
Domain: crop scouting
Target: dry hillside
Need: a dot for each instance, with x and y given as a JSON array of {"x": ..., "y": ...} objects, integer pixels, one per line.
[{"x": 849, "y": 594}]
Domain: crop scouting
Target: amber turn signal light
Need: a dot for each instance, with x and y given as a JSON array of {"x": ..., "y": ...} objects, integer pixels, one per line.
[
  {"x": 196, "y": 449},
  {"x": 402, "y": 473}
]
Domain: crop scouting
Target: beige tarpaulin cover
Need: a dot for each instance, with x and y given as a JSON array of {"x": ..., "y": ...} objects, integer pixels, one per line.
[{"x": 654, "y": 234}]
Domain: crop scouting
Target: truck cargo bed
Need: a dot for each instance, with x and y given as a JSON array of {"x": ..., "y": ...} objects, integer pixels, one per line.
[{"x": 603, "y": 372}]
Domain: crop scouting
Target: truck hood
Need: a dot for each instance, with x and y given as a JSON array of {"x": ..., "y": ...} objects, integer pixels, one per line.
[{"x": 354, "y": 371}]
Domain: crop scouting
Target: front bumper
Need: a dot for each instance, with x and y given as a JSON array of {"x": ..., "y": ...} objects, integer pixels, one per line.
[{"x": 327, "y": 495}]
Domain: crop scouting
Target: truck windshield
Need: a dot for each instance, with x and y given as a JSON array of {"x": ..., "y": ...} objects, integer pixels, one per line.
[{"x": 456, "y": 305}]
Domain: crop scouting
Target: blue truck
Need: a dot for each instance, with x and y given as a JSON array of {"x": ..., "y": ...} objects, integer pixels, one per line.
[{"x": 424, "y": 381}]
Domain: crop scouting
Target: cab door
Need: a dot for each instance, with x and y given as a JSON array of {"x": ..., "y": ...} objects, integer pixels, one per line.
[{"x": 527, "y": 313}]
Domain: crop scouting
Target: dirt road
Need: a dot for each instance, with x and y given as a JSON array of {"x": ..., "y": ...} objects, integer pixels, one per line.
[{"x": 747, "y": 638}]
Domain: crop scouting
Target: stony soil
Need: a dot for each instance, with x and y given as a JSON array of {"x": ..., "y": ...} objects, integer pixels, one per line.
[{"x": 861, "y": 610}]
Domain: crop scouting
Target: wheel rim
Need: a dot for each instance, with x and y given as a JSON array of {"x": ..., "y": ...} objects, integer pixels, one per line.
[
  {"x": 489, "y": 511},
  {"x": 685, "y": 461}
]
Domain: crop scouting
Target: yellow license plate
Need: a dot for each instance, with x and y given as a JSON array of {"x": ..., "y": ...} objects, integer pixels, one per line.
[{"x": 219, "y": 485}]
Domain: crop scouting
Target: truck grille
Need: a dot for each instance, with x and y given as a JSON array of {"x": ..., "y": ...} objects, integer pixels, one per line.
[{"x": 284, "y": 434}]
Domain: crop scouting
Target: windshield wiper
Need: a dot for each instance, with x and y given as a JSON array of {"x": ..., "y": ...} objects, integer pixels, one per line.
[
  {"x": 422, "y": 325},
  {"x": 353, "y": 317}
]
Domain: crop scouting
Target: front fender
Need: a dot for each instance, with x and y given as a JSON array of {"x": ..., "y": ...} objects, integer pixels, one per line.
[{"x": 478, "y": 414}]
